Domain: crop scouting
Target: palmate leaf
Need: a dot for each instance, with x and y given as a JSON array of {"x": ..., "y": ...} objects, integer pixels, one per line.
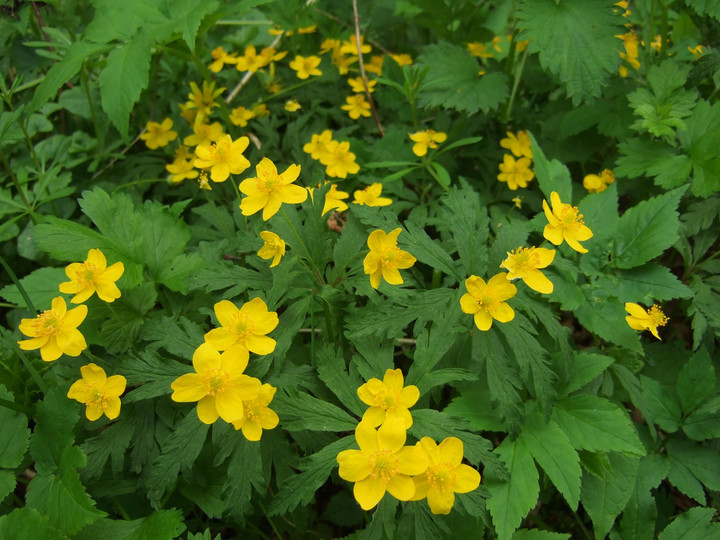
[
  {"x": 695, "y": 524},
  {"x": 640, "y": 514},
  {"x": 581, "y": 50}
]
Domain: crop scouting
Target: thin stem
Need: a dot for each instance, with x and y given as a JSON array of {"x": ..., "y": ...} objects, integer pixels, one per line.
[
  {"x": 516, "y": 84},
  {"x": 120, "y": 508},
  {"x": 122, "y": 153},
  {"x": 15, "y": 407},
  {"x": 237, "y": 191},
  {"x": 663, "y": 29},
  {"x": 93, "y": 115},
  {"x": 16, "y": 281},
  {"x": 33, "y": 373},
  {"x": 277, "y": 533},
  {"x": 18, "y": 187},
  {"x": 315, "y": 271},
  {"x": 361, "y": 63}
]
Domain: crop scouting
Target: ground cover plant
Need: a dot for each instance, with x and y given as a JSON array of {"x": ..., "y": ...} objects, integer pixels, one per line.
[{"x": 374, "y": 269}]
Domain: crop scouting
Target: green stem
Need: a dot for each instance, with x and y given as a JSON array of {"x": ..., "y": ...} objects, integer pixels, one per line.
[
  {"x": 586, "y": 533},
  {"x": 31, "y": 147},
  {"x": 93, "y": 115},
  {"x": 272, "y": 524},
  {"x": 312, "y": 328},
  {"x": 120, "y": 508},
  {"x": 663, "y": 29},
  {"x": 237, "y": 191},
  {"x": 16, "y": 281},
  {"x": 650, "y": 24},
  {"x": 516, "y": 84},
  {"x": 315, "y": 271},
  {"x": 18, "y": 187},
  {"x": 33, "y": 373},
  {"x": 15, "y": 407}
]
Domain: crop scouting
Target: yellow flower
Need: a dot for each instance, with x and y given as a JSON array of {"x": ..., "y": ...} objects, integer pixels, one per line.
[
  {"x": 445, "y": 475},
  {"x": 180, "y": 169},
  {"x": 524, "y": 263},
  {"x": 260, "y": 110},
  {"x": 423, "y": 140},
  {"x": 639, "y": 319},
  {"x": 329, "y": 45},
  {"x": 339, "y": 160},
  {"x": 246, "y": 326},
  {"x": 183, "y": 152},
  {"x": 292, "y": 105},
  {"x": 565, "y": 223},
  {"x": 307, "y": 29},
  {"x": 220, "y": 58},
  {"x": 518, "y": 144},
  {"x": 370, "y": 196},
  {"x": 630, "y": 42},
  {"x": 218, "y": 384},
  {"x": 342, "y": 61},
  {"x": 385, "y": 258},
  {"x": 318, "y": 144},
  {"x": 697, "y": 50},
  {"x": 375, "y": 65},
  {"x": 55, "y": 331},
  {"x": 203, "y": 181},
  {"x": 241, "y": 115},
  {"x": 223, "y": 157},
  {"x": 305, "y": 66},
  {"x": 517, "y": 201},
  {"x": 202, "y": 102},
  {"x": 382, "y": 464},
  {"x": 256, "y": 414},
  {"x": 388, "y": 399},
  {"x": 350, "y": 46},
  {"x": 595, "y": 184},
  {"x": 93, "y": 275},
  {"x": 269, "y": 190},
  {"x": 158, "y": 135},
  {"x": 100, "y": 393},
  {"x": 515, "y": 173},
  {"x": 204, "y": 134},
  {"x": 486, "y": 301},
  {"x": 357, "y": 85},
  {"x": 356, "y": 106},
  {"x": 274, "y": 247},
  {"x": 479, "y": 49},
  {"x": 334, "y": 199},
  {"x": 251, "y": 61},
  {"x": 402, "y": 59}
]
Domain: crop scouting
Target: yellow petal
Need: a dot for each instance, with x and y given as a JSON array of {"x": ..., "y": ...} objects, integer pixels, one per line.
[
  {"x": 354, "y": 465},
  {"x": 78, "y": 391},
  {"x": 220, "y": 338},
  {"x": 368, "y": 492},
  {"x": 537, "y": 281},
  {"x": 469, "y": 304},
  {"x": 451, "y": 450},
  {"x": 74, "y": 317},
  {"x": 93, "y": 374},
  {"x": 392, "y": 434},
  {"x": 50, "y": 351},
  {"x": 503, "y": 313},
  {"x": 112, "y": 408},
  {"x": 483, "y": 320},
  {"x": 440, "y": 502},
  {"x": 115, "y": 385},
  {"x": 466, "y": 479},
  {"x": 401, "y": 487},
  {"x": 260, "y": 344},
  {"x": 412, "y": 460},
  {"x": 409, "y": 396},
  {"x": 475, "y": 286},
  {"x": 366, "y": 437},
  {"x": 374, "y": 416},
  {"x": 252, "y": 430},
  {"x": 206, "y": 357},
  {"x": 206, "y": 410},
  {"x": 553, "y": 233},
  {"x": 188, "y": 387},
  {"x": 229, "y": 403},
  {"x": 225, "y": 311},
  {"x": 270, "y": 420},
  {"x": 234, "y": 361}
]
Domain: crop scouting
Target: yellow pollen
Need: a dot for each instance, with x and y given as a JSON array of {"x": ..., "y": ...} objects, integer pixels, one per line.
[
  {"x": 657, "y": 317},
  {"x": 570, "y": 217},
  {"x": 242, "y": 326},
  {"x": 383, "y": 465},
  {"x": 441, "y": 477},
  {"x": 215, "y": 380},
  {"x": 47, "y": 324},
  {"x": 97, "y": 399}
]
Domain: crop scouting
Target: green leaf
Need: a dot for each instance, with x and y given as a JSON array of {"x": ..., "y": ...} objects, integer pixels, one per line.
[
  {"x": 704, "y": 422},
  {"x": 649, "y": 282},
  {"x": 606, "y": 318},
  {"x": 695, "y": 523},
  {"x": 705, "y": 7},
  {"x": 511, "y": 500},
  {"x": 55, "y": 418},
  {"x": 585, "y": 367},
  {"x": 16, "y": 435},
  {"x": 473, "y": 405},
  {"x": 332, "y": 371},
  {"x": 702, "y": 461},
  {"x": 470, "y": 227},
  {"x": 661, "y": 405},
  {"x": 441, "y": 174},
  {"x": 41, "y": 286},
  {"x": 126, "y": 317},
  {"x": 648, "y": 229},
  {"x": 605, "y": 497},
  {"x": 28, "y": 523},
  {"x": 600, "y": 213},
  {"x": 595, "y": 424},
  {"x": 553, "y": 452},
  {"x": 582, "y": 50},
  {"x": 7, "y": 484},
  {"x": 187, "y": 16},
  {"x": 113, "y": 441},
  {"x": 62, "y": 496},
  {"x": 427, "y": 251},
  {"x": 696, "y": 380},
  {"x": 122, "y": 80},
  {"x": 223, "y": 275},
  {"x": 179, "y": 337},
  {"x": 453, "y": 81},
  {"x": 299, "y": 411},
  {"x": 653, "y": 158},
  {"x": 551, "y": 175},
  {"x": 638, "y": 520},
  {"x": 160, "y": 525},
  {"x": 244, "y": 471},
  {"x": 537, "y": 534},
  {"x": 153, "y": 373}
]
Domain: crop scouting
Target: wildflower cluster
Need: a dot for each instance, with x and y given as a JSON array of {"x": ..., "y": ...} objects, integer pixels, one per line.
[
  {"x": 516, "y": 172},
  {"x": 595, "y": 183},
  {"x": 339, "y": 161}
]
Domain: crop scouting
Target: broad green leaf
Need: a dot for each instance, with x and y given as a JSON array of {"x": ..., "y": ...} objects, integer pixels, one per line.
[
  {"x": 383, "y": 523},
  {"x": 179, "y": 337},
  {"x": 695, "y": 523},
  {"x": 40, "y": 285},
  {"x": 453, "y": 81},
  {"x": 648, "y": 283},
  {"x": 68, "y": 241},
  {"x": 596, "y": 424},
  {"x": 537, "y": 534},
  {"x": 704, "y": 7},
  {"x": 28, "y": 523},
  {"x": 187, "y": 16},
  {"x": 348, "y": 248},
  {"x": 417, "y": 522},
  {"x": 585, "y": 367},
  {"x": 235, "y": 278},
  {"x": 511, "y": 500},
  {"x": 551, "y": 174},
  {"x": 641, "y": 157},
  {"x": 702, "y": 461},
  {"x": 160, "y": 525},
  {"x": 153, "y": 373},
  {"x": 441, "y": 174},
  {"x": 473, "y": 405},
  {"x": 113, "y": 441},
  {"x": 696, "y": 381},
  {"x": 640, "y": 514},
  {"x": 606, "y": 496},
  {"x": 700, "y": 141},
  {"x": 55, "y": 418},
  {"x": 470, "y": 227},
  {"x": 552, "y": 450},
  {"x": 661, "y": 404},
  {"x": 245, "y": 471},
  {"x": 16, "y": 435},
  {"x": 648, "y": 229},
  {"x": 600, "y": 213},
  {"x": 332, "y": 371},
  {"x": 606, "y": 317},
  {"x": 704, "y": 422},
  {"x": 582, "y": 50},
  {"x": 302, "y": 411},
  {"x": 427, "y": 251},
  {"x": 7, "y": 483}
]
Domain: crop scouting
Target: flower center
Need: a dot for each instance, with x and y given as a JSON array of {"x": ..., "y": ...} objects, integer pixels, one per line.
[
  {"x": 268, "y": 182},
  {"x": 570, "y": 217},
  {"x": 242, "y": 326},
  {"x": 215, "y": 381},
  {"x": 386, "y": 399},
  {"x": 441, "y": 477},
  {"x": 86, "y": 275},
  {"x": 383, "y": 464},
  {"x": 657, "y": 317},
  {"x": 47, "y": 324},
  {"x": 97, "y": 399}
]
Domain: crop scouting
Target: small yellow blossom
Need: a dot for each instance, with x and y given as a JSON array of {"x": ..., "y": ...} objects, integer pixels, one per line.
[
  {"x": 375, "y": 65},
  {"x": 218, "y": 384},
  {"x": 357, "y": 85},
  {"x": 496, "y": 43},
  {"x": 245, "y": 326},
  {"x": 486, "y": 301},
  {"x": 515, "y": 173},
  {"x": 251, "y": 60},
  {"x": 402, "y": 59},
  {"x": 55, "y": 331},
  {"x": 524, "y": 263},
  {"x": 697, "y": 50},
  {"x": 240, "y": 116},
  {"x": 204, "y": 134},
  {"x": 183, "y": 152},
  {"x": 318, "y": 144},
  {"x": 565, "y": 223},
  {"x": 307, "y": 29},
  {"x": 623, "y": 4},
  {"x": 256, "y": 414},
  {"x": 223, "y": 157},
  {"x": 100, "y": 393},
  {"x": 639, "y": 319},
  {"x": 518, "y": 201},
  {"x": 180, "y": 169},
  {"x": 520, "y": 46},
  {"x": 382, "y": 464},
  {"x": 334, "y": 200},
  {"x": 220, "y": 58},
  {"x": 350, "y": 46},
  {"x": 268, "y": 190},
  {"x": 93, "y": 275},
  {"x": 386, "y": 258},
  {"x": 518, "y": 144},
  {"x": 631, "y": 43},
  {"x": 306, "y": 66},
  {"x": 273, "y": 87},
  {"x": 356, "y": 106},
  {"x": 343, "y": 61},
  {"x": 203, "y": 182},
  {"x": 292, "y": 105},
  {"x": 329, "y": 45},
  {"x": 596, "y": 183},
  {"x": 479, "y": 49},
  {"x": 388, "y": 399},
  {"x": 260, "y": 110},
  {"x": 445, "y": 475},
  {"x": 159, "y": 134},
  {"x": 202, "y": 102},
  {"x": 370, "y": 196},
  {"x": 339, "y": 160},
  {"x": 425, "y": 139},
  {"x": 274, "y": 247}
]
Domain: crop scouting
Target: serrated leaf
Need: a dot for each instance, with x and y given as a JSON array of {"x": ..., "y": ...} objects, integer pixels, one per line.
[
  {"x": 332, "y": 371},
  {"x": 596, "y": 424},
  {"x": 113, "y": 441},
  {"x": 427, "y": 251},
  {"x": 28, "y": 523},
  {"x": 40, "y": 285},
  {"x": 649, "y": 282},
  {"x": 453, "y": 81},
  {"x": 244, "y": 472},
  {"x": 16, "y": 435},
  {"x": 695, "y": 523},
  {"x": 187, "y": 16},
  {"x": 582, "y": 50},
  {"x": 647, "y": 229},
  {"x": 696, "y": 380},
  {"x": 153, "y": 373},
  {"x": 585, "y": 367},
  {"x": 640, "y": 514},
  {"x": 55, "y": 418},
  {"x": 704, "y": 422},
  {"x": 661, "y": 405},
  {"x": 160, "y": 525},
  {"x": 179, "y": 337},
  {"x": 551, "y": 175},
  {"x": 641, "y": 157},
  {"x": 300, "y": 411},
  {"x": 702, "y": 461},
  {"x": 511, "y": 500},
  {"x": 606, "y": 318},
  {"x": 471, "y": 226},
  {"x": 473, "y": 405}
]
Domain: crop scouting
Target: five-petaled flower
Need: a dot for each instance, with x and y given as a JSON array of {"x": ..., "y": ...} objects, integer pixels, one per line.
[
  {"x": 356, "y": 106},
  {"x": 386, "y": 258},
  {"x": 639, "y": 319},
  {"x": 220, "y": 58},
  {"x": 388, "y": 399},
  {"x": 223, "y": 157},
  {"x": 268, "y": 190},
  {"x": 524, "y": 263},
  {"x": 445, "y": 475},
  {"x": 486, "y": 301},
  {"x": 218, "y": 384},
  {"x": 245, "y": 326},
  {"x": 516, "y": 173},
  {"x": 55, "y": 331},
  {"x": 565, "y": 223},
  {"x": 518, "y": 144},
  {"x": 370, "y": 196},
  {"x": 425, "y": 139},
  {"x": 274, "y": 247},
  {"x": 202, "y": 102},
  {"x": 382, "y": 464},
  {"x": 318, "y": 144},
  {"x": 339, "y": 160},
  {"x": 334, "y": 200},
  {"x": 256, "y": 414},
  {"x": 306, "y": 66},
  {"x": 158, "y": 134},
  {"x": 595, "y": 183},
  {"x": 240, "y": 116},
  {"x": 93, "y": 275},
  {"x": 100, "y": 393},
  {"x": 359, "y": 88}
]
